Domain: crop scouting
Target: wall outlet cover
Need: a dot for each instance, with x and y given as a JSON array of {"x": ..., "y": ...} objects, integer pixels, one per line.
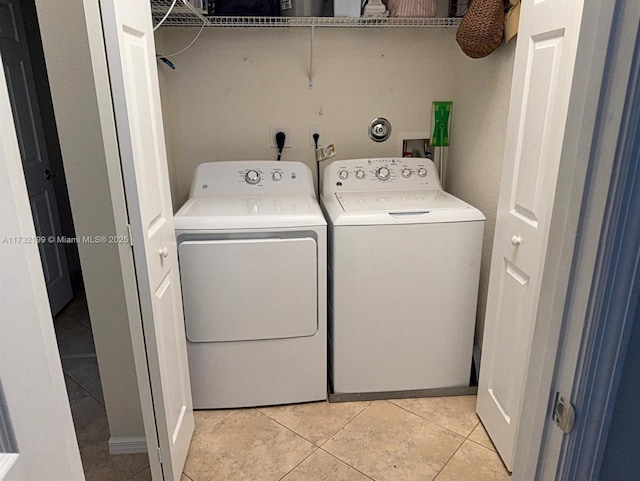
[{"x": 272, "y": 137}]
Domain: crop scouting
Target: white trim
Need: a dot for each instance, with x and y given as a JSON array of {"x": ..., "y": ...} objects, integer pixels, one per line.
[
  {"x": 127, "y": 444},
  {"x": 6, "y": 462}
]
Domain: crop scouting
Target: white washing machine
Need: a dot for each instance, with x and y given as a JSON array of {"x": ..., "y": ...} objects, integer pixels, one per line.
[
  {"x": 252, "y": 251},
  {"x": 404, "y": 265}
]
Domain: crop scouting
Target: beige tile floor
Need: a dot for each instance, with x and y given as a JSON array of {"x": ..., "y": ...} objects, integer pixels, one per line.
[{"x": 425, "y": 439}]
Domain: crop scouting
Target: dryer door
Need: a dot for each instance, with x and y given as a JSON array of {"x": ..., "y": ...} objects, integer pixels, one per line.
[{"x": 249, "y": 289}]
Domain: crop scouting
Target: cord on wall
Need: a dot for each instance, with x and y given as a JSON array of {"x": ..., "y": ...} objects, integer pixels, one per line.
[
  {"x": 316, "y": 138},
  {"x": 164, "y": 57},
  {"x": 280, "y": 139}
]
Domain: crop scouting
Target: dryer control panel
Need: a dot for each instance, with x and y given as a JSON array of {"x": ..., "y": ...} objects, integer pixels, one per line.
[
  {"x": 375, "y": 174},
  {"x": 249, "y": 177}
]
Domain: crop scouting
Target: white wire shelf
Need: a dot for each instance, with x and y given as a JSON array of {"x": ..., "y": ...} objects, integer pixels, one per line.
[
  {"x": 184, "y": 15},
  {"x": 330, "y": 22}
]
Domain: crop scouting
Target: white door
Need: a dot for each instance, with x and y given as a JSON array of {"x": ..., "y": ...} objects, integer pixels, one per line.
[
  {"x": 33, "y": 151},
  {"x": 37, "y": 440},
  {"x": 542, "y": 79},
  {"x": 136, "y": 97}
]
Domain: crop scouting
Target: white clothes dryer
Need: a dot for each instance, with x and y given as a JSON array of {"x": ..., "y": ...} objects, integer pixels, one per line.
[
  {"x": 252, "y": 255},
  {"x": 404, "y": 264}
]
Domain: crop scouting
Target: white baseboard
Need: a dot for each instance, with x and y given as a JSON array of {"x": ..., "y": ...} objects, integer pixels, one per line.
[{"x": 127, "y": 445}]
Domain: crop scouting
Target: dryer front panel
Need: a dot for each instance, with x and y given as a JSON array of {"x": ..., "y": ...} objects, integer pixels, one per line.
[{"x": 249, "y": 289}]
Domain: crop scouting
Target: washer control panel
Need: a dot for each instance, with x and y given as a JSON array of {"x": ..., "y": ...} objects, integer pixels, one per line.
[
  {"x": 394, "y": 173},
  {"x": 240, "y": 177}
]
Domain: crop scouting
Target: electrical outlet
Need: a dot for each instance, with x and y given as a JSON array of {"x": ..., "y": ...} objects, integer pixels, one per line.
[
  {"x": 272, "y": 136},
  {"x": 315, "y": 129}
]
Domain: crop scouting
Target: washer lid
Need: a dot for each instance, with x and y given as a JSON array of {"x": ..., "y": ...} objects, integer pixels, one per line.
[
  {"x": 254, "y": 211},
  {"x": 429, "y": 206},
  {"x": 398, "y": 201}
]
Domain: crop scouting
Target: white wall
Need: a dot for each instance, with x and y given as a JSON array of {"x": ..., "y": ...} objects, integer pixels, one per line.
[
  {"x": 234, "y": 83},
  {"x": 92, "y": 178},
  {"x": 479, "y": 123}
]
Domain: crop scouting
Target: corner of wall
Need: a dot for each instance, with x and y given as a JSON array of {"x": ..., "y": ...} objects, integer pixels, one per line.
[
  {"x": 93, "y": 204},
  {"x": 479, "y": 120}
]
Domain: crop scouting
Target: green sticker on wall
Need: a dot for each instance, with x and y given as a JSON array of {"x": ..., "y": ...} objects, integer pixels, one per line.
[{"x": 441, "y": 122}]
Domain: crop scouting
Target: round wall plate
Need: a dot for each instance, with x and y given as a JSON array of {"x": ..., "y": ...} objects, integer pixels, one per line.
[{"x": 379, "y": 129}]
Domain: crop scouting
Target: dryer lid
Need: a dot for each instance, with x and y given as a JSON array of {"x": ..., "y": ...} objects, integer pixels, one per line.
[{"x": 249, "y": 211}]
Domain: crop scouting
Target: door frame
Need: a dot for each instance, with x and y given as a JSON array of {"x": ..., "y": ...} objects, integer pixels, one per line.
[
  {"x": 615, "y": 290},
  {"x": 34, "y": 409},
  {"x": 572, "y": 260}
]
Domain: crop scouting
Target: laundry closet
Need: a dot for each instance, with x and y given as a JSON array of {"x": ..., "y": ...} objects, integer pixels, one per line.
[{"x": 234, "y": 85}]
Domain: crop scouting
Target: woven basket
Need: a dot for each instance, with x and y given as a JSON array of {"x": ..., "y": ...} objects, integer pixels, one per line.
[{"x": 480, "y": 31}]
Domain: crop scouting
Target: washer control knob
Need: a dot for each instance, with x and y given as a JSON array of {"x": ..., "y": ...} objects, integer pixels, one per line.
[
  {"x": 252, "y": 177},
  {"x": 343, "y": 174},
  {"x": 422, "y": 172},
  {"x": 359, "y": 174},
  {"x": 276, "y": 176},
  {"x": 383, "y": 173},
  {"x": 406, "y": 173}
]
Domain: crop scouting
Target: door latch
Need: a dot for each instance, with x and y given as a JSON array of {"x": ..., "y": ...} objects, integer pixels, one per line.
[{"x": 563, "y": 414}]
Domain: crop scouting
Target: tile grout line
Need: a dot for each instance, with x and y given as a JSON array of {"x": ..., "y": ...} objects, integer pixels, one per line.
[
  {"x": 286, "y": 427},
  {"x": 479, "y": 444},
  {"x": 343, "y": 461},
  {"x": 302, "y": 461},
  {"x": 448, "y": 460},
  {"x": 345, "y": 424},
  {"x": 134, "y": 475},
  {"x": 308, "y": 440},
  {"x": 433, "y": 422},
  {"x": 84, "y": 389},
  {"x": 317, "y": 447}
]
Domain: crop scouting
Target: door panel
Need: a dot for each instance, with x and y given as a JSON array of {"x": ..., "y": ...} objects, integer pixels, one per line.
[
  {"x": 41, "y": 209},
  {"x": 543, "y": 71},
  {"x": 136, "y": 96},
  {"x": 249, "y": 289},
  {"x": 531, "y": 193},
  {"x": 33, "y": 151}
]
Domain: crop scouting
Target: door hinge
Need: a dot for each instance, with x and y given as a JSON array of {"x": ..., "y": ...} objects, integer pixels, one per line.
[
  {"x": 130, "y": 236},
  {"x": 564, "y": 414},
  {"x": 159, "y": 455}
]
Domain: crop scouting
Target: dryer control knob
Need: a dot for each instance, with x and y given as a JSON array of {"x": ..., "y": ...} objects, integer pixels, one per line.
[
  {"x": 276, "y": 176},
  {"x": 406, "y": 173},
  {"x": 383, "y": 173},
  {"x": 422, "y": 172},
  {"x": 343, "y": 174},
  {"x": 252, "y": 177},
  {"x": 359, "y": 174}
]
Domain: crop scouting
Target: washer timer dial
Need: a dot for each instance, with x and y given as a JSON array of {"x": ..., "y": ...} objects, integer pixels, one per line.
[
  {"x": 383, "y": 173},
  {"x": 252, "y": 177}
]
